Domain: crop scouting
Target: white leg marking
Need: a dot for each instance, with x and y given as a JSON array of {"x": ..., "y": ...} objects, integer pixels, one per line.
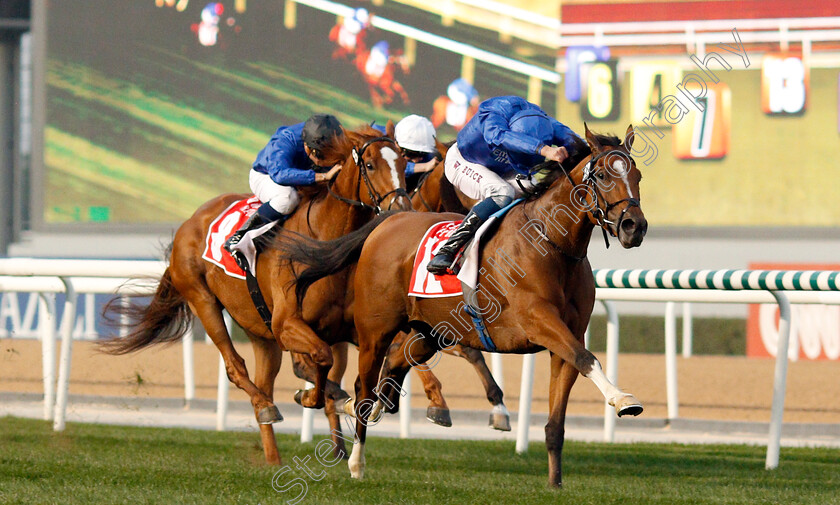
[
  {"x": 350, "y": 408},
  {"x": 607, "y": 389},
  {"x": 500, "y": 409},
  {"x": 357, "y": 461}
]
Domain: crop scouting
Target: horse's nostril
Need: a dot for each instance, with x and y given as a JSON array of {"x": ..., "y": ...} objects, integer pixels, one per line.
[{"x": 628, "y": 225}]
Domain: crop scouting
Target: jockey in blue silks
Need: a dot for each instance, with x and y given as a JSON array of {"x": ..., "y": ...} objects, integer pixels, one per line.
[
  {"x": 506, "y": 137},
  {"x": 288, "y": 160}
]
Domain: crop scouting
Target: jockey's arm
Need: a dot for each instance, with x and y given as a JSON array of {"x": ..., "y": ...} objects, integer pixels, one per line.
[
  {"x": 497, "y": 133},
  {"x": 279, "y": 162},
  {"x": 563, "y": 135},
  {"x": 412, "y": 168}
]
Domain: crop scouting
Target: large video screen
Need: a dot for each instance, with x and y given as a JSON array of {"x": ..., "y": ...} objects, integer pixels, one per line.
[{"x": 156, "y": 106}]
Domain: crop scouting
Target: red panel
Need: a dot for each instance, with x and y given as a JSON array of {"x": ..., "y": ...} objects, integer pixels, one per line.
[{"x": 613, "y": 12}]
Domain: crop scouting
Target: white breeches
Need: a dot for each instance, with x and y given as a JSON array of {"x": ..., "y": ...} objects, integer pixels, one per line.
[
  {"x": 479, "y": 182},
  {"x": 283, "y": 199}
]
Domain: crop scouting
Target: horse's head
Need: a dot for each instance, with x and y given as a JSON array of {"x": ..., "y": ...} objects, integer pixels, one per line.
[
  {"x": 613, "y": 198},
  {"x": 375, "y": 172}
]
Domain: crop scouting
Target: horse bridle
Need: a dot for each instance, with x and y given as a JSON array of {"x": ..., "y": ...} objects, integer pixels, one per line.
[
  {"x": 363, "y": 175},
  {"x": 600, "y": 213}
]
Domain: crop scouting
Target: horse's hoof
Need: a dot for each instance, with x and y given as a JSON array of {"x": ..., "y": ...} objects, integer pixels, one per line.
[
  {"x": 349, "y": 408},
  {"x": 299, "y": 397},
  {"x": 269, "y": 415},
  {"x": 439, "y": 416},
  {"x": 627, "y": 405},
  {"x": 500, "y": 422}
]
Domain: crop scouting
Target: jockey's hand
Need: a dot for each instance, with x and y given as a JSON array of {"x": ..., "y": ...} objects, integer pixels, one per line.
[
  {"x": 426, "y": 166},
  {"x": 329, "y": 175},
  {"x": 554, "y": 153}
]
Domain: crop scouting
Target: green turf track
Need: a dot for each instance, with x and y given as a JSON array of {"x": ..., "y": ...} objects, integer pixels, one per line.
[{"x": 108, "y": 464}]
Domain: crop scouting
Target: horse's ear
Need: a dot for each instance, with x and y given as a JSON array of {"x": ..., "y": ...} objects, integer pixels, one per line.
[
  {"x": 594, "y": 145},
  {"x": 390, "y": 129},
  {"x": 629, "y": 136}
]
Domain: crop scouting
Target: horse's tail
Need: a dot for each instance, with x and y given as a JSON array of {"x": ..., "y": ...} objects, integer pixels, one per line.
[
  {"x": 323, "y": 259},
  {"x": 165, "y": 319}
]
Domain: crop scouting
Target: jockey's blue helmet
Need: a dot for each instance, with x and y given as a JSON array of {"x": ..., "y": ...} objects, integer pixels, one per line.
[{"x": 319, "y": 130}]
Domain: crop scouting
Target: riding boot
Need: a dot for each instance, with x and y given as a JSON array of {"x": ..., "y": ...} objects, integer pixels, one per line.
[
  {"x": 441, "y": 263},
  {"x": 253, "y": 222}
]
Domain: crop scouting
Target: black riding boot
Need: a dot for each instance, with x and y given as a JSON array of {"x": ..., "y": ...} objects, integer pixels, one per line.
[
  {"x": 439, "y": 265},
  {"x": 253, "y": 222}
]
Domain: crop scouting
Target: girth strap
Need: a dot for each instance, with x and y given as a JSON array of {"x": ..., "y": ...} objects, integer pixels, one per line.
[
  {"x": 480, "y": 328},
  {"x": 257, "y": 298}
]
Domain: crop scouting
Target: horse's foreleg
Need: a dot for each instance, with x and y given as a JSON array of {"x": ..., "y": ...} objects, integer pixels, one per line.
[
  {"x": 210, "y": 314},
  {"x": 500, "y": 418},
  {"x": 563, "y": 377},
  {"x": 545, "y": 327},
  {"x": 296, "y": 336},
  {"x": 331, "y": 409},
  {"x": 268, "y": 358}
]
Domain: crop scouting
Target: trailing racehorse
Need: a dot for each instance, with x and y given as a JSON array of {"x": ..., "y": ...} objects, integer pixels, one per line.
[
  {"x": 373, "y": 175},
  {"x": 540, "y": 294}
]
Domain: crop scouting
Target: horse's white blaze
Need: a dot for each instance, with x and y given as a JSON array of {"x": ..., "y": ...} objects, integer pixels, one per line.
[
  {"x": 606, "y": 387},
  {"x": 620, "y": 167},
  {"x": 357, "y": 461},
  {"x": 390, "y": 156}
]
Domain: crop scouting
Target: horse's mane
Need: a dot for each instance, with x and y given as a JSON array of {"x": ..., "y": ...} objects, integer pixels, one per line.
[{"x": 578, "y": 150}]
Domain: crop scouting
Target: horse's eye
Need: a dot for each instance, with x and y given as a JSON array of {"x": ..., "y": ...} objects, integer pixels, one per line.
[
  {"x": 601, "y": 175},
  {"x": 369, "y": 165}
]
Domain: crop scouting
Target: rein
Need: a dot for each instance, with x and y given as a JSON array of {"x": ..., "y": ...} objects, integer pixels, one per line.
[
  {"x": 363, "y": 175},
  {"x": 599, "y": 213},
  {"x": 417, "y": 189}
]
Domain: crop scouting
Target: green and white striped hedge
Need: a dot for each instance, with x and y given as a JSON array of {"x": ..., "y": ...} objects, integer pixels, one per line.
[{"x": 777, "y": 280}]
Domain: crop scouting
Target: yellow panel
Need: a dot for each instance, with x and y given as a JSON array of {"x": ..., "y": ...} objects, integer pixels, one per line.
[{"x": 649, "y": 84}]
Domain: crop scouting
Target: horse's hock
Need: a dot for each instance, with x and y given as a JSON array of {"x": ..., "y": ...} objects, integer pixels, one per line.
[{"x": 710, "y": 387}]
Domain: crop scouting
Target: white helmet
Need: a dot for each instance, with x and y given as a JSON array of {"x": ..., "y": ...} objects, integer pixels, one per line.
[{"x": 416, "y": 133}]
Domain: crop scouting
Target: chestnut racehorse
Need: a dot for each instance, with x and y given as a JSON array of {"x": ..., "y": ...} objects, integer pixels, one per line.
[
  {"x": 540, "y": 295},
  {"x": 373, "y": 174}
]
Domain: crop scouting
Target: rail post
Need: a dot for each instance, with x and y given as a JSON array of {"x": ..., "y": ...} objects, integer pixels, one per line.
[
  {"x": 779, "y": 382},
  {"x": 671, "y": 361},
  {"x": 66, "y": 353},
  {"x": 525, "y": 390}
]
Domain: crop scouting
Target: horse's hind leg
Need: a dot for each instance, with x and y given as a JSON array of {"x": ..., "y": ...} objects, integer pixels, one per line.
[
  {"x": 210, "y": 314},
  {"x": 371, "y": 355},
  {"x": 307, "y": 370},
  {"x": 408, "y": 352},
  {"x": 500, "y": 418},
  {"x": 268, "y": 358}
]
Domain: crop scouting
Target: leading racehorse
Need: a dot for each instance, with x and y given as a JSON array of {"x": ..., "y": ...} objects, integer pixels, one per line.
[
  {"x": 373, "y": 175},
  {"x": 540, "y": 294}
]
